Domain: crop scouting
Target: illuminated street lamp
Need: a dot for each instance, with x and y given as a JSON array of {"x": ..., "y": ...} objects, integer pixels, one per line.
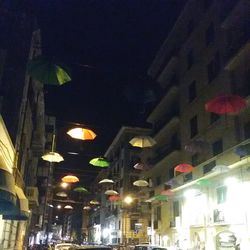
[
  {"x": 128, "y": 200},
  {"x": 64, "y": 184},
  {"x": 59, "y": 207}
]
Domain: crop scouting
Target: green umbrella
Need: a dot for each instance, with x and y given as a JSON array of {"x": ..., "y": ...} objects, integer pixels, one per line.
[
  {"x": 203, "y": 182},
  {"x": 47, "y": 71},
  {"x": 80, "y": 190},
  {"x": 99, "y": 162},
  {"x": 160, "y": 197}
]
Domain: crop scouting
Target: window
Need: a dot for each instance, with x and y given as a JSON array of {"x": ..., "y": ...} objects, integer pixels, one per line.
[
  {"x": 132, "y": 224},
  {"x": 176, "y": 209},
  {"x": 158, "y": 213},
  {"x": 208, "y": 167},
  {"x": 195, "y": 159},
  {"x": 217, "y": 147},
  {"x": 190, "y": 27},
  {"x": 192, "y": 91},
  {"x": 213, "y": 68},
  {"x": 158, "y": 180},
  {"x": 214, "y": 117},
  {"x": 190, "y": 59},
  {"x": 210, "y": 34},
  {"x": 221, "y": 193},
  {"x": 193, "y": 127}
]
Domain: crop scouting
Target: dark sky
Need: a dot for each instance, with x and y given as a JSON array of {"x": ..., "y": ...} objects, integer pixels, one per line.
[{"x": 118, "y": 39}]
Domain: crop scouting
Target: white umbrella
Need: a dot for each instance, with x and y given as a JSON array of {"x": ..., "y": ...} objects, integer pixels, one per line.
[
  {"x": 105, "y": 181},
  {"x": 111, "y": 192},
  {"x": 140, "y": 183}
]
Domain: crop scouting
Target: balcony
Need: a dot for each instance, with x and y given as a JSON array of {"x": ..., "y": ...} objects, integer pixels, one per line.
[
  {"x": 164, "y": 151},
  {"x": 32, "y": 195}
]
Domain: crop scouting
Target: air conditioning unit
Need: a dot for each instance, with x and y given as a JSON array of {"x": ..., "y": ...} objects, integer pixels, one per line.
[{"x": 32, "y": 195}]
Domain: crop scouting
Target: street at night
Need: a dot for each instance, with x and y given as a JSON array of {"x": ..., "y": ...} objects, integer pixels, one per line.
[{"x": 125, "y": 125}]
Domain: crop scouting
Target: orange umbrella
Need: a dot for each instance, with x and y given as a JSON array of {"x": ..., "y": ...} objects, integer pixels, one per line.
[
  {"x": 184, "y": 168},
  {"x": 81, "y": 134},
  {"x": 70, "y": 179}
]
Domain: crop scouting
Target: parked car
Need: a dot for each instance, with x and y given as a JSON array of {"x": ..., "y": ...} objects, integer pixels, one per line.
[
  {"x": 148, "y": 247},
  {"x": 89, "y": 247}
]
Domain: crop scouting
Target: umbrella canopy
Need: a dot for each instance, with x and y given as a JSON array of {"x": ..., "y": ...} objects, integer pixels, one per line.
[
  {"x": 160, "y": 197},
  {"x": 61, "y": 194},
  {"x": 142, "y": 141},
  {"x": 80, "y": 190},
  {"x": 226, "y": 104},
  {"x": 139, "y": 166},
  {"x": 47, "y": 72},
  {"x": 167, "y": 192},
  {"x": 111, "y": 192},
  {"x": 106, "y": 181},
  {"x": 94, "y": 202},
  {"x": 184, "y": 168},
  {"x": 86, "y": 208},
  {"x": 52, "y": 157},
  {"x": 140, "y": 183},
  {"x": 99, "y": 162},
  {"x": 243, "y": 150},
  {"x": 68, "y": 207},
  {"x": 197, "y": 146},
  {"x": 203, "y": 182},
  {"x": 81, "y": 134},
  {"x": 70, "y": 179},
  {"x": 113, "y": 198}
]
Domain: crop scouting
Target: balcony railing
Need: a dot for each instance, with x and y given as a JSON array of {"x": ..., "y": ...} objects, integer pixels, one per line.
[{"x": 164, "y": 151}]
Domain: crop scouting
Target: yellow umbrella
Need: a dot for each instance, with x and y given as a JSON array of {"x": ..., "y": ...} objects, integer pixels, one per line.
[
  {"x": 68, "y": 207},
  {"x": 61, "y": 194},
  {"x": 81, "y": 134},
  {"x": 94, "y": 202},
  {"x": 52, "y": 157},
  {"x": 70, "y": 179},
  {"x": 142, "y": 141},
  {"x": 86, "y": 208},
  {"x": 140, "y": 183}
]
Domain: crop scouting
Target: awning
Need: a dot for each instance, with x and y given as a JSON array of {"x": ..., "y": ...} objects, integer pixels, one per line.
[
  {"x": 7, "y": 192},
  {"x": 21, "y": 211}
]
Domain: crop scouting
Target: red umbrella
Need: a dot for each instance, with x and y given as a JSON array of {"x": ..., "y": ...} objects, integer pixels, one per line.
[
  {"x": 114, "y": 198},
  {"x": 226, "y": 104},
  {"x": 184, "y": 168}
]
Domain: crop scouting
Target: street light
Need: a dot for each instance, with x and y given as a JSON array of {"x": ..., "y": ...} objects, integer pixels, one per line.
[
  {"x": 128, "y": 200},
  {"x": 64, "y": 184}
]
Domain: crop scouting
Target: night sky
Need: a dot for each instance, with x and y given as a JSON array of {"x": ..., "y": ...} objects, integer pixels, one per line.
[{"x": 118, "y": 40}]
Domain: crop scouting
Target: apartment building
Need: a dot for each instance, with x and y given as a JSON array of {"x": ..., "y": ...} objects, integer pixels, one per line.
[
  {"x": 22, "y": 123},
  {"x": 204, "y": 55}
]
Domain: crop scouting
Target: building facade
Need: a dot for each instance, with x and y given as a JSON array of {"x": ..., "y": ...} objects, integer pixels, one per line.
[{"x": 204, "y": 55}]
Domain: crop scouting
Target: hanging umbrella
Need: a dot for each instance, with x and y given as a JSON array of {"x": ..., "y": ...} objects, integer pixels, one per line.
[
  {"x": 81, "y": 134},
  {"x": 197, "y": 146},
  {"x": 160, "y": 197},
  {"x": 52, "y": 157},
  {"x": 94, "y": 202},
  {"x": 48, "y": 72},
  {"x": 114, "y": 198},
  {"x": 220, "y": 168},
  {"x": 68, "y": 207},
  {"x": 142, "y": 141},
  {"x": 99, "y": 162},
  {"x": 61, "y": 194},
  {"x": 111, "y": 192},
  {"x": 70, "y": 179},
  {"x": 243, "y": 150},
  {"x": 167, "y": 192},
  {"x": 203, "y": 182},
  {"x": 86, "y": 208},
  {"x": 172, "y": 182},
  {"x": 140, "y": 183},
  {"x": 80, "y": 190},
  {"x": 226, "y": 104},
  {"x": 139, "y": 166},
  {"x": 106, "y": 181},
  {"x": 184, "y": 168}
]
